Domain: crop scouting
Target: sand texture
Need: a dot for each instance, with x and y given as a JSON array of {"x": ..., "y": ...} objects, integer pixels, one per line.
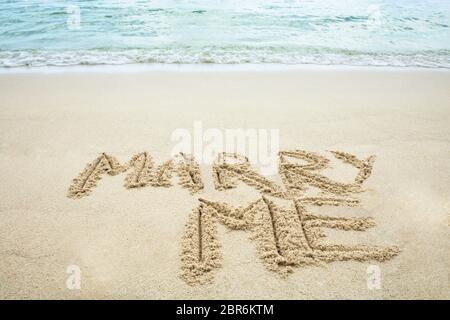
[{"x": 361, "y": 183}]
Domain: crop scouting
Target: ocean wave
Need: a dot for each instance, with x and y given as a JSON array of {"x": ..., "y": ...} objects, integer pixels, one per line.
[{"x": 244, "y": 55}]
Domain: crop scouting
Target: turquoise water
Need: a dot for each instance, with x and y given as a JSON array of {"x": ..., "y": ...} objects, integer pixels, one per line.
[{"x": 352, "y": 32}]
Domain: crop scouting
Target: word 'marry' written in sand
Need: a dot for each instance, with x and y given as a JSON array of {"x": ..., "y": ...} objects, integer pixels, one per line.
[{"x": 286, "y": 234}]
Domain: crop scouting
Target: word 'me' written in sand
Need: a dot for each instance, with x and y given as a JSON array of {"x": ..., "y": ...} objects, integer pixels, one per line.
[{"x": 286, "y": 233}]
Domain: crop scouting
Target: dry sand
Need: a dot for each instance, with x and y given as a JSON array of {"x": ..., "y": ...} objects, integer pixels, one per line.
[{"x": 140, "y": 225}]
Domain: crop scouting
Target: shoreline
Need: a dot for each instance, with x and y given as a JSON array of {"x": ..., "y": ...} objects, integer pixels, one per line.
[{"x": 251, "y": 67}]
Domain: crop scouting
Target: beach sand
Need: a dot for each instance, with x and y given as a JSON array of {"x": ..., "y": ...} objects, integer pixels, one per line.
[{"x": 128, "y": 242}]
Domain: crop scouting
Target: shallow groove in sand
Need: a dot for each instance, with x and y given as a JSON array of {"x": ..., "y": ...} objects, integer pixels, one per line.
[
  {"x": 87, "y": 180},
  {"x": 285, "y": 238},
  {"x": 143, "y": 173}
]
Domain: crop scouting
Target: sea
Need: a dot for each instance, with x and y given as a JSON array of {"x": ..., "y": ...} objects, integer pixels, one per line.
[{"x": 398, "y": 33}]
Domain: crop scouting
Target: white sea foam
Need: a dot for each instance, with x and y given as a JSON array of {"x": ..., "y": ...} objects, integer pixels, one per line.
[{"x": 98, "y": 57}]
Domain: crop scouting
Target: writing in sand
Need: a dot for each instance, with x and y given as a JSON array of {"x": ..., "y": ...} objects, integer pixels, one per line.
[{"x": 280, "y": 222}]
